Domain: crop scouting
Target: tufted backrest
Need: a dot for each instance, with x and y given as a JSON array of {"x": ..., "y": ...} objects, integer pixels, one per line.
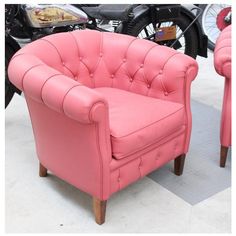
[{"x": 103, "y": 59}]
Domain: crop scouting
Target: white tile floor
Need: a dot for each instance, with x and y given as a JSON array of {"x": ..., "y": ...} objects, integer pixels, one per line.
[{"x": 49, "y": 205}]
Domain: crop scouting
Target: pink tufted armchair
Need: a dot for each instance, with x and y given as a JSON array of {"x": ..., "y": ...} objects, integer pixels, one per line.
[
  {"x": 222, "y": 62},
  {"x": 106, "y": 109}
]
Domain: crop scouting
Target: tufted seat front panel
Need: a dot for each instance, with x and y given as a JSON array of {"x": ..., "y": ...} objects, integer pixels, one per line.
[
  {"x": 137, "y": 122},
  {"x": 126, "y": 172}
]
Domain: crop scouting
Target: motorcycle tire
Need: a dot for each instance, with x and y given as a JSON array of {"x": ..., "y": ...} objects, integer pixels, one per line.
[
  {"x": 190, "y": 36},
  {"x": 203, "y": 18},
  {"x": 9, "y": 89}
]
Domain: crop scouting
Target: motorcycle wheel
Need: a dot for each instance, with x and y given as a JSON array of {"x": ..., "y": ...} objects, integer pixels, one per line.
[
  {"x": 143, "y": 28},
  {"x": 212, "y": 21},
  {"x": 9, "y": 90}
]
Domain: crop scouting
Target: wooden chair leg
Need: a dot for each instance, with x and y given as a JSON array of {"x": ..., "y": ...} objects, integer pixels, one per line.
[
  {"x": 99, "y": 209},
  {"x": 223, "y": 155},
  {"x": 42, "y": 170},
  {"x": 179, "y": 165}
]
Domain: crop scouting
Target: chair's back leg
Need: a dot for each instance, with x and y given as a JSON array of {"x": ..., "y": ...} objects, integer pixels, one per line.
[
  {"x": 223, "y": 155},
  {"x": 179, "y": 164}
]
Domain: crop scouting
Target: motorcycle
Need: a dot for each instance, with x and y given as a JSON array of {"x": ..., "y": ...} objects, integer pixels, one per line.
[{"x": 171, "y": 25}]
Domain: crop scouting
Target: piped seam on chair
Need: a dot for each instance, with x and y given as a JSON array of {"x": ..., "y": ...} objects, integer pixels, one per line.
[
  {"x": 163, "y": 67},
  {"x": 144, "y": 61},
  {"x": 173, "y": 55},
  {"x": 20, "y": 54},
  {"x": 63, "y": 100},
  {"x": 23, "y": 77},
  {"x": 41, "y": 90},
  {"x": 187, "y": 105},
  {"x": 125, "y": 54},
  {"x": 79, "y": 51},
  {"x": 147, "y": 125},
  {"x": 100, "y": 160},
  {"x": 75, "y": 42},
  {"x": 149, "y": 150},
  {"x": 222, "y": 66},
  {"x": 218, "y": 49},
  {"x": 92, "y": 106},
  {"x": 43, "y": 39},
  {"x": 153, "y": 143}
]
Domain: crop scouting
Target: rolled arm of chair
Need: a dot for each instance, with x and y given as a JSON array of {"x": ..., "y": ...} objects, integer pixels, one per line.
[
  {"x": 222, "y": 53},
  {"x": 46, "y": 86},
  {"x": 57, "y": 91}
]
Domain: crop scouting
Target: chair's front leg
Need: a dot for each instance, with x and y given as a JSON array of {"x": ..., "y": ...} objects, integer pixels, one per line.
[
  {"x": 179, "y": 164},
  {"x": 99, "y": 209}
]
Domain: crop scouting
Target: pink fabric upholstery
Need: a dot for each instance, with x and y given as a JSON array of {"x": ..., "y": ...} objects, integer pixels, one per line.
[
  {"x": 106, "y": 109},
  {"x": 222, "y": 62}
]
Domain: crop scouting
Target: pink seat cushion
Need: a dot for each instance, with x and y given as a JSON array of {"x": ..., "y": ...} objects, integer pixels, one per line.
[{"x": 138, "y": 121}]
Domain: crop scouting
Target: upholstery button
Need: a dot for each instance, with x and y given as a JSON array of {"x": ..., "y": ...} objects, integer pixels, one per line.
[
  {"x": 166, "y": 93},
  {"x": 124, "y": 60},
  {"x": 112, "y": 76},
  {"x": 131, "y": 80},
  {"x": 100, "y": 55},
  {"x": 141, "y": 66},
  {"x": 149, "y": 86},
  {"x": 161, "y": 71},
  {"x": 118, "y": 179},
  {"x": 80, "y": 58},
  {"x": 63, "y": 63},
  {"x": 91, "y": 75}
]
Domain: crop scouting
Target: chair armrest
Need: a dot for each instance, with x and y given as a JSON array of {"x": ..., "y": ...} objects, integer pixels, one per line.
[
  {"x": 222, "y": 53},
  {"x": 82, "y": 141},
  {"x": 174, "y": 82},
  {"x": 57, "y": 91}
]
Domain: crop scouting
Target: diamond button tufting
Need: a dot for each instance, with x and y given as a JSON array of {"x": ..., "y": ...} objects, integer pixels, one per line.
[
  {"x": 141, "y": 66},
  {"x": 161, "y": 71},
  {"x": 166, "y": 93},
  {"x": 112, "y": 76},
  {"x": 91, "y": 75},
  {"x": 149, "y": 86},
  {"x": 124, "y": 60}
]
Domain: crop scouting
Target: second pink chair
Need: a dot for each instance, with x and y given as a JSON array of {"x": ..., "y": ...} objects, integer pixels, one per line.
[{"x": 222, "y": 62}]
